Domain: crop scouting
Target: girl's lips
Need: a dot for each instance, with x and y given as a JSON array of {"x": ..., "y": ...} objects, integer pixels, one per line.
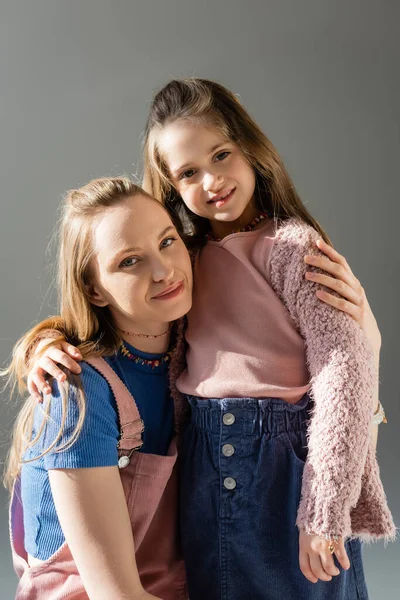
[
  {"x": 223, "y": 201},
  {"x": 172, "y": 294}
]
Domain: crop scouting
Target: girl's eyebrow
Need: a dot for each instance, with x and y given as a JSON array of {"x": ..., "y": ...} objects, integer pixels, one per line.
[{"x": 186, "y": 165}]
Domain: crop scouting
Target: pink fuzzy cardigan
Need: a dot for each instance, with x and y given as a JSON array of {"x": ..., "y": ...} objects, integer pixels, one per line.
[{"x": 342, "y": 493}]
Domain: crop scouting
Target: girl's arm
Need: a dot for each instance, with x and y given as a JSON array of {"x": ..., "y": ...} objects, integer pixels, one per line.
[
  {"x": 341, "y": 474},
  {"x": 349, "y": 297},
  {"x": 93, "y": 514}
]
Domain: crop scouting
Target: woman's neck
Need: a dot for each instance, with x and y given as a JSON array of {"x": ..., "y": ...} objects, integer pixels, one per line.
[
  {"x": 152, "y": 346},
  {"x": 154, "y": 340}
]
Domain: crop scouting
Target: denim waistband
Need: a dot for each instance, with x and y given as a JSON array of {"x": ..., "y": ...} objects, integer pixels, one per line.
[{"x": 251, "y": 415}]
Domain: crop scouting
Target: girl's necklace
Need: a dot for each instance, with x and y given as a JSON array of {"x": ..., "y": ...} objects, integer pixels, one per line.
[
  {"x": 261, "y": 217},
  {"x": 155, "y": 362}
]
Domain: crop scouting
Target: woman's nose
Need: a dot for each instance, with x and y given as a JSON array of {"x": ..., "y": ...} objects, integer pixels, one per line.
[{"x": 163, "y": 270}]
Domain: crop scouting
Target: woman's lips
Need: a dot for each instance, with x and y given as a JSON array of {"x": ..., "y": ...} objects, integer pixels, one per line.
[{"x": 174, "y": 291}]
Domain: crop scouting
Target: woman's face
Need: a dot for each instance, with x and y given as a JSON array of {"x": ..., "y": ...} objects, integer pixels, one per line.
[{"x": 141, "y": 269}]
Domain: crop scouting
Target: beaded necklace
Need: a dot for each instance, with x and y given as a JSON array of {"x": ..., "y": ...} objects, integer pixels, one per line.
[
  {"x": 261, "y": 217},
  {"x": 155, "y": 362}
]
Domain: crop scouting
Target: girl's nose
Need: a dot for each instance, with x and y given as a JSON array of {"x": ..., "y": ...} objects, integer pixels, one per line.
[{"x": 212, "y": 182}]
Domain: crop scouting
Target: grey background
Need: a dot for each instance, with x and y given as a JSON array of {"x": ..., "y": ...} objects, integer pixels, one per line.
[{"x": 321, "y": 78}]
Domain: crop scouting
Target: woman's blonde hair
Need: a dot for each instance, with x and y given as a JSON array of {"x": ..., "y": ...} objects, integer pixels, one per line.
[
  {"x": 209, "y": 103},
  {"x": 80, "y": 322}
]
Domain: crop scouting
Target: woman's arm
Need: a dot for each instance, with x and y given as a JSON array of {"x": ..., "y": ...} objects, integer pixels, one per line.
[{"x": 94, "y": 517}]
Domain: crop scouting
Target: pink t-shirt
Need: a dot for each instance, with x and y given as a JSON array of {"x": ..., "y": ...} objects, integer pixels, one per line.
[
  {"x": 242, "y": 342},
  {"x": 258, "y": 329}
]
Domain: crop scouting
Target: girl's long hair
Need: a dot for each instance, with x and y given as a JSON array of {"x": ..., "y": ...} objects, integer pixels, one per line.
[
  {"x": 80, "y": 322},
  {"x": 206, "y": 102}
]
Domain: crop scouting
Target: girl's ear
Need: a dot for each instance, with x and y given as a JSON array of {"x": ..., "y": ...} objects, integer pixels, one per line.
[{"x": 95, "y": 295}]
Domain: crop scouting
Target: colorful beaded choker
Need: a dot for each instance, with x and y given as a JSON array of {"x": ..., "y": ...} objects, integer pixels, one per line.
[
  {"x": 261, "y": 217},
  {"x": 155, "y": 362}
]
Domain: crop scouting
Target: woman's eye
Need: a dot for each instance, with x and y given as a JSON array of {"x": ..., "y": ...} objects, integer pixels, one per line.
[
  {"x": 129, "y": 262},
  {"x": 222, "y": 155},
  {"x": 187, "y": 174},
  {"x": 168, "y": 242}
]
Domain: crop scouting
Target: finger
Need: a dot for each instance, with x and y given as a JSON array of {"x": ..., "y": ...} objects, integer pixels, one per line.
[
  {"x": 328, "y": 563},
  {"x": 317, "y": 568},
  {"x": 71, "y": 350},
  {"x": 38, "y": 379},
  {"x": 33, "y": 390},
  {"x": 332, "y": 253},
  {"x": 58, "y": 356},
  {"x": 341, "y": 555},
  {"x": 48, "y": 366},
  {"x": 334, "y": 284},
  {"x": 340, "y": 304},
  {"x": 305, "y": 567},
  {"x": 338, "y": 271}
]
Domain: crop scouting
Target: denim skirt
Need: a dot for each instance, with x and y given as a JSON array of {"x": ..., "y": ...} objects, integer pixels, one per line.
[{"x": 242, "y": 461}]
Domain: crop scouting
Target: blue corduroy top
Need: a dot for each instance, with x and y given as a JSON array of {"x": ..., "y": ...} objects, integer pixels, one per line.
[{"x": 96, "y": 445}]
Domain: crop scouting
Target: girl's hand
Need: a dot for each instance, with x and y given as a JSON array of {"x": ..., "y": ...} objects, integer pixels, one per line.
[
  {"x": 342, "y": 280},
  {"x": 44, "y": 365},
  {"x": 316, "y": 561}
]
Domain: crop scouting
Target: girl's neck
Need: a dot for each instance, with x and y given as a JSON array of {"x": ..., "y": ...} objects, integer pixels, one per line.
[{"x": 221, "y": 229}]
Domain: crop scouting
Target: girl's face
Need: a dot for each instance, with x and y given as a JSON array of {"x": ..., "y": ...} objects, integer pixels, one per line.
[
  {"x": 141, "y": 269},
  {"x": 210, "y": 173}
]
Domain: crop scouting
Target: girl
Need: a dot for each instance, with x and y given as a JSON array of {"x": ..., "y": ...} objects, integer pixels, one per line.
[
  {"x": 90, "y": 517},
  {"x": 259, "y": 344}
]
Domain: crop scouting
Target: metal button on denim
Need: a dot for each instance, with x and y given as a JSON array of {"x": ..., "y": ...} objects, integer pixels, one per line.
[
  {"x": 229, "y": 483},
  {"x": 228, "y": 450},
  {"x": 228, "y": 419}
]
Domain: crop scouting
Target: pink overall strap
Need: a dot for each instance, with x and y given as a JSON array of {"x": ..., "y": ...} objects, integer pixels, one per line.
[{"x": 130, "y": 422}]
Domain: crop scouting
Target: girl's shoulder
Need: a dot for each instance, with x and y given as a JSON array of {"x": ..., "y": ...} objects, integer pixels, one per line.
[
  {"x": 294, "y": 233},
  {"x": 293, "y": 239}
]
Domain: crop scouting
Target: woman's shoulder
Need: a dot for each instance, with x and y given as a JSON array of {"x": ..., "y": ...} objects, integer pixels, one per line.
[
  {"x": 99, "y": 398},
  {"x": 89, "y": 380}
]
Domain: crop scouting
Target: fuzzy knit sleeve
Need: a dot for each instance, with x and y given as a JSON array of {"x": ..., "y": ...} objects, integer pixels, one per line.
[{"x": 342, "y": 383}]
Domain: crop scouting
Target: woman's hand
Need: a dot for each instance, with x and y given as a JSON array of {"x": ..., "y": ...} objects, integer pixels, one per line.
[
  {"x": 339, "y": 277},
  {"x": 316, "y": 560},
  {"x": 46, "y": 364}
]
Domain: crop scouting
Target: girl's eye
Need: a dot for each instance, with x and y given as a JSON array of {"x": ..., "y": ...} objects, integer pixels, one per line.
[
  {"x": 129, "y": 262},
  {"x": 222, "y": 155},
  {"x": 168, "y": 242},
  {"x": 187, "y": 174}
]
